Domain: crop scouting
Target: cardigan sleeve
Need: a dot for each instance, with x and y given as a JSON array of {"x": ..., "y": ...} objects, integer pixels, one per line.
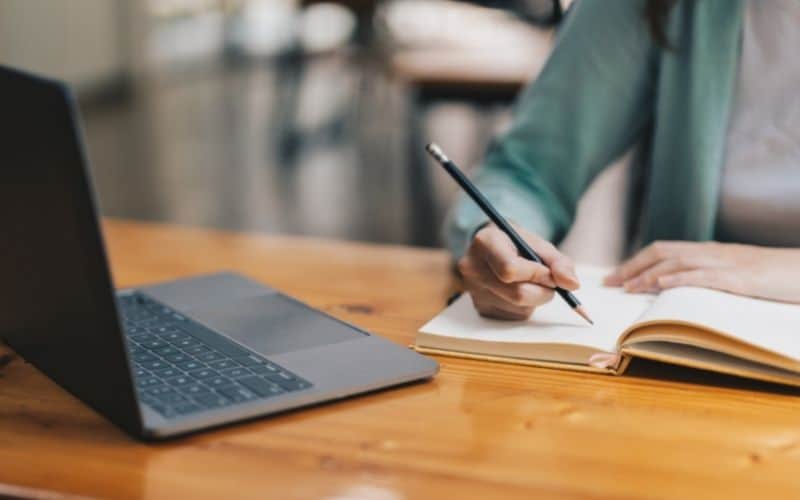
[{"x": 591, "y": 101}]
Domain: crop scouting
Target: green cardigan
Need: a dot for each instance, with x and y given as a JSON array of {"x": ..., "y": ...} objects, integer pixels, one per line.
[{"x": 605, "y": 88}]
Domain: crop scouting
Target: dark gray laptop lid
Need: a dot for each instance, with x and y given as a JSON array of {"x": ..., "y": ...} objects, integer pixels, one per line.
[{"x": 57, "y": 307}]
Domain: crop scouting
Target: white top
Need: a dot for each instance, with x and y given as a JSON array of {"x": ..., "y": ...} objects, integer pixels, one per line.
[{"x": 760, "y": 190}]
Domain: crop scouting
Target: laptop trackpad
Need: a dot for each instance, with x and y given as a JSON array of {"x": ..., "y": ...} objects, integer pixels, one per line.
[{"x": 274, "y": 324}]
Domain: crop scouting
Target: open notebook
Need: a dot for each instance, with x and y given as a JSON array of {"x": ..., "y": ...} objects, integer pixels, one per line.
[{"x": 693, "y": 327}]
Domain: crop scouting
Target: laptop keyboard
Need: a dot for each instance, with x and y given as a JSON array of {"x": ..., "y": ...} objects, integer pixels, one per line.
[{"x": 181, "y": 367}]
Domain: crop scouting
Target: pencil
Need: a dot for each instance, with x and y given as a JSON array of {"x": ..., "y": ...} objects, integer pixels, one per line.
[{"x": 522, "y": 247}]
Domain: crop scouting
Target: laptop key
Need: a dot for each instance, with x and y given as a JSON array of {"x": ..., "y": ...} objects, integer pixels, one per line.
[
  {"x": 153, "y": 344},
  {"x": 211, "y": 400},
  {"x": 162, "y": 389},
  {"x": 165, "y": 329},
  {"x": 166, "y": 350},
  {"x": 217, "y": 382},
  {"x": 177, "y": 358},
  {"x": 187, "y": 342},
  {"x": 190, "y": 365},
  {"x": 251, "y": 360},
  {"x": 154, "y": 365},
  {"x": 171, "y": 398},
  {"x": 195, "y": 350},
  {"x": 236, "y": 372},
  {"x": 167, "y": 373},
  {"x": 144, "y": 358},
  {"x": 203, "y": 374},
  {"x": 214, "y": 340},
  {"x": 147, "y": 382},
  {"x": 135, "y": 350},
  {"x": 184, "y": 408},
  {"x": 260, "y": 386},
  {"x": 223, "y": 364},
  {"x": 145, "y": 398},
  {"x": 294, "y": 385},
  {"x": 178, "y": 381},
  {"x": 209, "y": 356},
  {"x": 265, "y": 368},
  {"x": 287, "y": 381},
  {"x": 192, "y": 389},
  {"x": 174, "y": 337},
  {"x": 162, "y": 408},
  {"x": 237, "y": 394}
]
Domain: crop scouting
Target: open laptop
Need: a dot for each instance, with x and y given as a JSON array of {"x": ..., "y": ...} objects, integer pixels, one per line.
[{"x": 158, "y": 360}]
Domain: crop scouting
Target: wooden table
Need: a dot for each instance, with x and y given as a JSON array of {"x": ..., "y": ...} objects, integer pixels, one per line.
[{"x": 478, "y": 430}]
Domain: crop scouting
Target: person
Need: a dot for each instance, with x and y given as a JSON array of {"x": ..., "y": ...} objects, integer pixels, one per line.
[{"x": 709, "y": 93}]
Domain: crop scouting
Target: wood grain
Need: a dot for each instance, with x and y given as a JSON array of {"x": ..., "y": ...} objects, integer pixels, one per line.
[{"x": 478, "y": 430}]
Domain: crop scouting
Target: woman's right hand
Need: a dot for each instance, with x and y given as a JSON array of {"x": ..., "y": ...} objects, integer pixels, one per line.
[{"x": 504, "y": 285}]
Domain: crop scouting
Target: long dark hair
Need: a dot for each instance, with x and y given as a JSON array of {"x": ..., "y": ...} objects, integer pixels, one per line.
[{"x": 656, "y": 13}]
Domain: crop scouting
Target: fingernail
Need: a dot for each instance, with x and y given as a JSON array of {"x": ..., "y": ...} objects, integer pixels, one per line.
[
  {"x": 574, "y": 283},
  {"x": 566, "y": 273},
  {"x": 611, "y": 280}
]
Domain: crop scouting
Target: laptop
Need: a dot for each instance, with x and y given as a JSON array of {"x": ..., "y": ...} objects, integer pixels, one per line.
[{"x": 161, "y": 360}]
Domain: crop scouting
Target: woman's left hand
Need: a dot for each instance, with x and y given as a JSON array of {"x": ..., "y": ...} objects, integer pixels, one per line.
[{"x": 768, "y": 273}]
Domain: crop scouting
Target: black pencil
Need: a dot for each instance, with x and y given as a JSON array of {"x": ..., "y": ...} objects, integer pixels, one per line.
[{"x": 522, "y": 247}]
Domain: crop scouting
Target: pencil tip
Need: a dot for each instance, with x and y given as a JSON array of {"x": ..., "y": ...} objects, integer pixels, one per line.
[{"x": 580, "y": 310}]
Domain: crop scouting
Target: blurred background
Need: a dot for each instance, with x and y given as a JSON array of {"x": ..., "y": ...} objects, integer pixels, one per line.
[{"x": 285, "y": 116}]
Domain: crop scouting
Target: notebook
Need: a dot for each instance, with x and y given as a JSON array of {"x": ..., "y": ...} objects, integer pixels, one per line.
[{"x": 694, "y": 327}]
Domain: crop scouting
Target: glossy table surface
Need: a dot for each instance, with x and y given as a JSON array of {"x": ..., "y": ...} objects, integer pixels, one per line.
[{"x": 478, "y": 430}]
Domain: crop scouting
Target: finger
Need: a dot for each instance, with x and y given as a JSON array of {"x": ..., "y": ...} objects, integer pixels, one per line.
[
  {"x": 479, "y": 278},
  {"x": 648, "y": 280},
  {"x": 507, "y": 265},
  {"x": 520, "y": 270},
  {"x": 562, "y": 269},
  {"x": 644, "y": 259},
  {"x": 718, "y": 279}
]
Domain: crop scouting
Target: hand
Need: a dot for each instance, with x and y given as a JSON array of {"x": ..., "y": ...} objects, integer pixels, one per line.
[
  {"x": 768, "y": 273},
  {"x": 505, "y": 285}
]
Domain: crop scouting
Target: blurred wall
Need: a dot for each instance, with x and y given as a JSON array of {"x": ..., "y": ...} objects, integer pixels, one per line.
[{"x": 81, "y": 41}]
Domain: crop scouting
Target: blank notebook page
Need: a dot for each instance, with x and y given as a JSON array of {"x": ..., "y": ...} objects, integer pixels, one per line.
[{"x": 612, "y": 310}]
